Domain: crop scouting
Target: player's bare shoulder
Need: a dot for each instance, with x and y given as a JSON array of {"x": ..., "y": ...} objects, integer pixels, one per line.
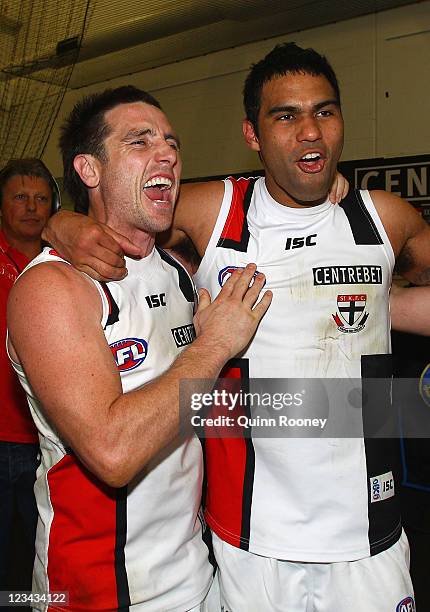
[
  {"x": 45, "y": 289},
  {"x": 401, "y": 221},
  {"x": 409, "y": 235}
]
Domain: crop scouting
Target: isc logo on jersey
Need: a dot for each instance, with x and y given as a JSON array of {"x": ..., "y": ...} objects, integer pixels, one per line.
[
  {"x": 226, "y": 272},
  {"x": 299, "y": 242},
  {"x": 129, "y": 353},
  {"x": 406, "y": 605},
  {"x": 382, "y": 487}
]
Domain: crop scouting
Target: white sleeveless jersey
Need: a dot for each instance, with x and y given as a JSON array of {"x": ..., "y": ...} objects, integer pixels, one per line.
[
  {"x": 329, "y": 268},
  {"x": 139, "y": 546}
]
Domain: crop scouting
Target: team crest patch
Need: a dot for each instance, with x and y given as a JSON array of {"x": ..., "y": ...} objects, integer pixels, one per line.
[
  {"x": 424, "y": 384},
  {"x": 406, "y": 605},
  {"x": 129, "y": 353},
  {"x": 351, "y": 317},
  {"x": 226, "y": 272}
]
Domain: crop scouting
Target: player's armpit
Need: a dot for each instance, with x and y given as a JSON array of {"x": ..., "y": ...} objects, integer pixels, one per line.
[
  {"x": 413, "y": 261},
  {"x": 409, "y": 235},
  {"x": 186, "y": 253}
]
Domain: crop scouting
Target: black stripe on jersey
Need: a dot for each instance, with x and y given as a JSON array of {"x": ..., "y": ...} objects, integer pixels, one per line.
[
  {"x": 113, "y": 316},
  {"x": 242, "y": 245},
  {"x": 200, "y": 433},
  {"x": 120, "y": 541},
  {"x": 186, "y": 285},
  {"x": 248, "y": 480},
  {"x": 382, "y": 454},
  {"x": 362, "y": 225},
  {"x": 206, "y": 532}
]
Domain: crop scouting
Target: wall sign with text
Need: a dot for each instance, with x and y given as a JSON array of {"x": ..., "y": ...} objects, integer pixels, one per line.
[{"x": 407, "y": 177}]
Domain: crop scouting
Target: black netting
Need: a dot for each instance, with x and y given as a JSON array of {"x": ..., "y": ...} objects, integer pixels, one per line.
[{"x": 39, "y": 45}]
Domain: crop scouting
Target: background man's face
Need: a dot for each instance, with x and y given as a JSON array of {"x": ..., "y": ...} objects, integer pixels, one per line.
[
  {"x": 300, "y": 137},
  {"x": 26, "y": 206}
]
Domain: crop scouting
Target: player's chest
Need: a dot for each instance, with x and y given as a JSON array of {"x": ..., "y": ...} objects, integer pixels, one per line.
[
  {"x": 154, "y": 324},
  {"x": 306, "y": 258}
]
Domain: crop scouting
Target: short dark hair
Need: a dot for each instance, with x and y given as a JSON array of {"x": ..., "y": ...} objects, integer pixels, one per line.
[
  {"x": 286, "y": 58},
  {"x": 85, "y": 130},
  {"x": 31, "y": 166}
]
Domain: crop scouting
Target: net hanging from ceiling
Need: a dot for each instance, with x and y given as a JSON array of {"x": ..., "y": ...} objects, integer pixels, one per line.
[{"x": 39, "y": 45}]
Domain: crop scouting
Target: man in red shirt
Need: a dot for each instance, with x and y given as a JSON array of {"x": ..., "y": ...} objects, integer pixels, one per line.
[{"x": 28, "y": 195}]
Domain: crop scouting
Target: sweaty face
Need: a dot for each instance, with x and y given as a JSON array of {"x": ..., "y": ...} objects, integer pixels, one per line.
[
  {"x": 300, "y": 138},
  {"x": 25, "y": 208},
  {"x": 140, "y": 179}
]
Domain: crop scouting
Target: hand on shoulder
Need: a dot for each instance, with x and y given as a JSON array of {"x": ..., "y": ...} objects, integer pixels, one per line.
[{"x": 90, "y": 246}]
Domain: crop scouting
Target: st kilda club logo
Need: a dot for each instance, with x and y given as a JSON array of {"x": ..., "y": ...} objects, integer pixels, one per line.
[{"x": 351, "y": 315}]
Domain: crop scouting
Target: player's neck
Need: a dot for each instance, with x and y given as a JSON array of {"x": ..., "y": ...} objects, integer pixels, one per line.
[
  {"x": 281, "y": 196},
  {"x": 142, "y": 239}
]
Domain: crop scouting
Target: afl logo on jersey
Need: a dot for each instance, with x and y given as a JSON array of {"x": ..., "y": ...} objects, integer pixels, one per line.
[
  {"x": 225, "y": 273},
  {"x": 424, "y": 384},
  {"x": 406, "y": 605},
  {"x": 129, "y": 353}
]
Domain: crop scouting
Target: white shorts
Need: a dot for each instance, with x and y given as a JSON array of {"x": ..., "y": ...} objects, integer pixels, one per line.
[
  {"x": 251, "y": 583},
  {"x": 211, "y": 602}
]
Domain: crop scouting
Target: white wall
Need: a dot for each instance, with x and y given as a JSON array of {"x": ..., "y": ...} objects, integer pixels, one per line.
[
  {"x": 403, "y": 54},
  {"x": 385, "y": 52}
]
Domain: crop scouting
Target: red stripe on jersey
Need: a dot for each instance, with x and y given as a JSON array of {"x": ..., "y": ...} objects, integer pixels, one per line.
[
  {"x": 236, "y": 215},
  {"x": 224, "y": 495},
  {"x": 229, "y": 481},
  {"x": 81, "y": 549}
]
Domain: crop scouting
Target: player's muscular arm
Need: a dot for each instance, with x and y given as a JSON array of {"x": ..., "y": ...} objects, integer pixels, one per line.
[
  {"x": 71, "y": 369},
  {"x": 195, "y": 215},
  {"x": 410, "y": 308},
  {"x": 91, "y": 247},
  {"x": 98, "y": 250},
  {"x": 409, "y": 235}
]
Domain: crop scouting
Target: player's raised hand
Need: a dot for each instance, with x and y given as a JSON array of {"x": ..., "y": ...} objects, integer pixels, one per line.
[
  {"x": 91, "y": 247},
  {"x": 232, "y": 318}
]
